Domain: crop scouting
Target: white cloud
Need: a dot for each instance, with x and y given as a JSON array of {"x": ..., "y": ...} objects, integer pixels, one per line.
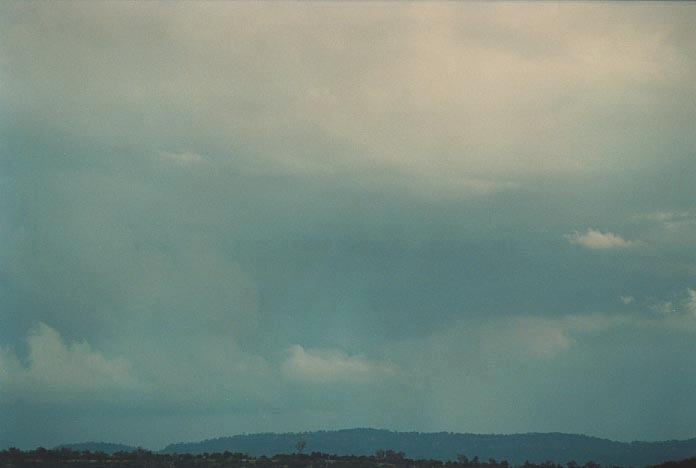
[
  {"x": 627, "y": 299},
  {"x": 329, "y": 365},
  {"x": 691, "y": 302},
  {"x": 597, "y": 240},
  {"x": 56, "y": 370},
  {"x": 63, "y": 372}
]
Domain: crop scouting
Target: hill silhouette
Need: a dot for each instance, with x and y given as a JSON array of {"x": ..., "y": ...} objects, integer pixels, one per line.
[{"x": 516, "y": 448}]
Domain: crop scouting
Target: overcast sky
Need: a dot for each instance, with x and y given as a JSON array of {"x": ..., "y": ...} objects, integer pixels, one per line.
[{"x": 241, "y": 217}]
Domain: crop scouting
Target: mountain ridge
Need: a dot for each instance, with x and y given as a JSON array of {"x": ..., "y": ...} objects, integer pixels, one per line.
[{"x": 516, "y": 448}]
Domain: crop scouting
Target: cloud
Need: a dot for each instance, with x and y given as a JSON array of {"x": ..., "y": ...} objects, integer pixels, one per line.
[
  {"x": 663, "y": 308},
  {"x": 330, "y": 365},
  {"x": 341, "y": 90},
  {"x": 157, "y": 373},
  {"x": 627, "y": 299},
  {"x": 183, "y": 159},
  {"x": 691, "y": 301},
  {"x": 191, "y": 189},
  {"x": 596, "y": 240},
  {"x": 541, "y": 337},
  {"x": 680, "y": 307},
  {"x": 57, "y": 370},
  {"x": 667, "y": 216},
  {"x": 447, "y": 186},
  {"x": 670, "y": 219}
]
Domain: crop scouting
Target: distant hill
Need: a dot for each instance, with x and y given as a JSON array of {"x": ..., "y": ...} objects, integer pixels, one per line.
[
  {"x": 105, "y": 447},
  {"x": 516, "y": 448}
]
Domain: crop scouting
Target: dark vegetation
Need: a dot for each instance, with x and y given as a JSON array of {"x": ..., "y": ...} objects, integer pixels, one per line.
[
  {"x": 686, "y": 463},
  {"x": 105, "y": 447},
  {"x": 368, "y": 448},
  {"x": 139, "y": 458}
]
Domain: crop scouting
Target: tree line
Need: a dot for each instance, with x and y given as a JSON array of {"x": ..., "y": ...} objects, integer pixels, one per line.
[{"x": 141, "y": 458}]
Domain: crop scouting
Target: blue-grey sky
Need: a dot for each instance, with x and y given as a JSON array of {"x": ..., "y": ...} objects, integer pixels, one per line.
[{"x": 238, "y": 217}]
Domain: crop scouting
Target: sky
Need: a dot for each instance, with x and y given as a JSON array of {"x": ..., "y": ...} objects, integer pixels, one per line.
[{"x": 222, "y": 218}]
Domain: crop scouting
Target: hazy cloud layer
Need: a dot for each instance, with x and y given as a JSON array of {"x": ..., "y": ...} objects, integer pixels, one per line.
[{"x": 238, "y": 217}]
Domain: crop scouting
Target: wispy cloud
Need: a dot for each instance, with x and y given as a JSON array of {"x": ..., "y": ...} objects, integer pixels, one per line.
[
  {"x": 670, "y": 219},
  {"x": 597, "y": 240},
  {"x": 691, "y": 302},
  {"x": 627, "y": 299},
  {"x": 682, "y": 305},
  {"x": 663, "y": 308},
  {"x": 184, "y": 158},
  {"x": 545, "y": 337}
]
